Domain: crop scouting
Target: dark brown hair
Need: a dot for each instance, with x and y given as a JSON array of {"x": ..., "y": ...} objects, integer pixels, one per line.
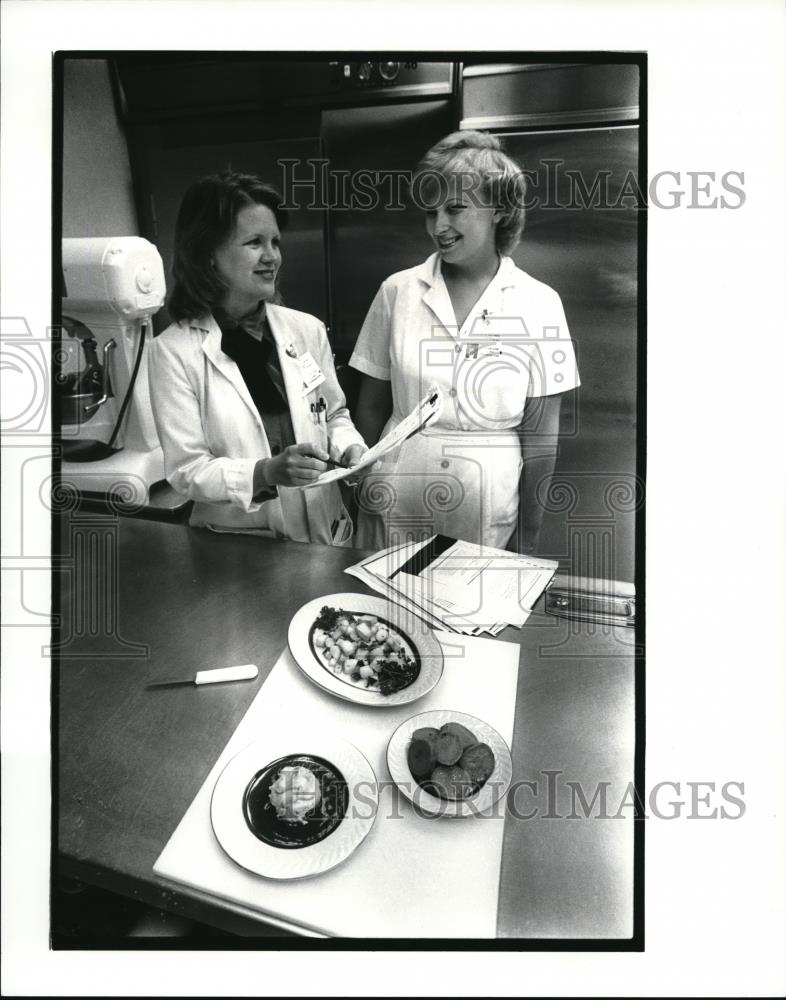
[{"x": 205, "y": 220}]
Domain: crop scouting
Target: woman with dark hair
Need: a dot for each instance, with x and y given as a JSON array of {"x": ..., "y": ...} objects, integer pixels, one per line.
[
  {"x": 496, "y": 342},
  {"x": 244, "y": 392}
]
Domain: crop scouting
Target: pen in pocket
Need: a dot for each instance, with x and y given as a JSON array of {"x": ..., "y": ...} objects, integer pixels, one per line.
[{"x": 319, "y": 411}]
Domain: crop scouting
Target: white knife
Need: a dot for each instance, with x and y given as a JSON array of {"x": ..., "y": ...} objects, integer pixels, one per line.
[{"x": 245, "y": 672}]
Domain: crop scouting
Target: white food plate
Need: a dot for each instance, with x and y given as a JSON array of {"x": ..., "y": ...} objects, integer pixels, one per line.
[
  {"x": 494, "y": 788},
  {"x": 413, "y": 630},
  {"x": 227, "y": 806}
]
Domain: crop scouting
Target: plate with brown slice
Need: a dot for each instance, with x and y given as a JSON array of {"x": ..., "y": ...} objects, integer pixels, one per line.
[{"x": 449, "y": 763}]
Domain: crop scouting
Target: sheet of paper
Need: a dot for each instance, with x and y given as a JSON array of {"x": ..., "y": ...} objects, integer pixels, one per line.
[
  {"x": 425, "y": 413},
  {"x": 382, "y": 588},
  {"x": 468, "y": 588},
  {"x": 375, "y": 572},
  {"x": 486, "y": 588}
]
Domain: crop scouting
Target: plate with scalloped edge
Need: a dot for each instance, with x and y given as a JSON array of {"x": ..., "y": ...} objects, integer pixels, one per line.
[
  {"x": 414, "y": 641},
  {"x": 495, "y": 786},
  {"x": 248, "y": 827}
]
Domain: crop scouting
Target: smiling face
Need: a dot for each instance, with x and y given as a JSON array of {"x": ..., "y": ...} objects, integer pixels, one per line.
[
  {"x": 462, "y": 227},
  {"x": 250, "y": 259}
]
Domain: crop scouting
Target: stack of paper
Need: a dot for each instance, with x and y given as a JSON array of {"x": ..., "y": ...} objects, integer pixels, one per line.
[{"x": 456, "y": 585}]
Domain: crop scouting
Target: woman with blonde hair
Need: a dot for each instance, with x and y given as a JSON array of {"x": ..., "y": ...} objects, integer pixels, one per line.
[{"x": 493, "y": 339}]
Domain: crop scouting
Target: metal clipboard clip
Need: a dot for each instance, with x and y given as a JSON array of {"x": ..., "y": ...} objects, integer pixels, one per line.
[{"x": 602, "y": 602}]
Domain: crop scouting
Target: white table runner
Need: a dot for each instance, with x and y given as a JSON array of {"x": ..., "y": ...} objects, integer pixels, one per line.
[{"x": 413, "y": 877}]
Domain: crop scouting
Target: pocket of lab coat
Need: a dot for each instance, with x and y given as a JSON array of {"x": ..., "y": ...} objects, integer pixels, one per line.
[
  {"x": 322, "y": 438},
  {"x": 343, "y": 530},
  {"x": 319, "y": 429}
]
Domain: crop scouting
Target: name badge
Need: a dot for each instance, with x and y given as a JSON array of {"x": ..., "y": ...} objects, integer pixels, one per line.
[
  {"x": 484, "y": 350},
  {"x": 310, "y": 373}
]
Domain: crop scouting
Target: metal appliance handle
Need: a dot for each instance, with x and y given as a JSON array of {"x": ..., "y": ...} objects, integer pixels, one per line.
[{"x": 106, "y": 387}]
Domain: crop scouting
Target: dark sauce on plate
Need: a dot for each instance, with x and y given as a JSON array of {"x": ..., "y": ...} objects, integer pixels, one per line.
[
  {"x": 346, "y": 680},
  {"x": 261, "y": 816}
]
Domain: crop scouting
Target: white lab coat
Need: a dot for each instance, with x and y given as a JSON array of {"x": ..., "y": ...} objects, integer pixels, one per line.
[
  {"x": 212, "y": 435},
  {"x": 460, "y": 477}
]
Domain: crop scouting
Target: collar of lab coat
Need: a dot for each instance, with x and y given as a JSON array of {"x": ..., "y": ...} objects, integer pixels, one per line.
[
  {"x": 436, "y": 295},
  {"x": 286, "y": 335}
]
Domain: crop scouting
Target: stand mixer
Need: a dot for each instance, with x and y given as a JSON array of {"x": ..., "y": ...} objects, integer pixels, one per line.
[{"x": 112, "y": 286}]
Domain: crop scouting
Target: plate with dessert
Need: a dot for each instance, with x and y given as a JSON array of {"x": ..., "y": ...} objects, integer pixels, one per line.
[
  {"x": 294, "y": 804},
  {"x": 449, "y": 763},
  {"x": 365, "y": 649}
]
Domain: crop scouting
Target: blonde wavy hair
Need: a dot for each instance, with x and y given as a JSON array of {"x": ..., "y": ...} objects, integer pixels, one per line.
[{"x": 487, "y": 174}]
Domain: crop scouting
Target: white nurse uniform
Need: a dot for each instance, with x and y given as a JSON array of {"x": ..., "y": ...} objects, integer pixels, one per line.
[{"x": 459, "y": 477}]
